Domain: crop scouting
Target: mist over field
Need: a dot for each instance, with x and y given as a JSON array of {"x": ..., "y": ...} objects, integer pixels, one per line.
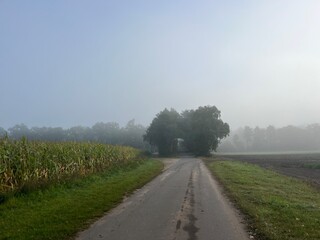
[
  {"x": 290, "y": 139},
  {"x": 142, "y": 119},
  {"x": 76, "y": 63}
]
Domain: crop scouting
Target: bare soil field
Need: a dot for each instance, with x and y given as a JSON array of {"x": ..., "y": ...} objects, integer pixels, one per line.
[{"x": 303, "y": 166}]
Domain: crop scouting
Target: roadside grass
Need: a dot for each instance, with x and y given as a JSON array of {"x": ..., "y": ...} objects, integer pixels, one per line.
[
  {"x": 312, "y": 165},
  {"x": 278, "y": 207},
  {"x": 60, "y": 211}
]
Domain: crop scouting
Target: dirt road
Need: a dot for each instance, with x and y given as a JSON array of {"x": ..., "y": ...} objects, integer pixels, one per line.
[{"x": 184, "y": 202}]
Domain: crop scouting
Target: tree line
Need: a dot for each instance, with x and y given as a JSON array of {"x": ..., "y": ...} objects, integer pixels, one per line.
[
  {"x": 109, "y": 133},
  {"x": 199, "y": 131},
  {"x": 271, "y": 139}
]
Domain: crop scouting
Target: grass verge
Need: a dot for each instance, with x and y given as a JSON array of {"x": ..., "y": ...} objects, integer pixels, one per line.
[
  {"x": 277, "y": 207},
  {"x": 312, "y": 165},
  {"x": 60, "y": 211}
]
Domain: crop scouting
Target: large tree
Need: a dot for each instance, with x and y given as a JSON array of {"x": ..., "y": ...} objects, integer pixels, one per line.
[
  {"x": 163, "y": 131},
  {"x": 201, "y": 129}
]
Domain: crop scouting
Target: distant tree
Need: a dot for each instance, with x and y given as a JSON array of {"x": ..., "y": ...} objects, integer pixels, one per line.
[
  {"x": 227, "y": 146},
  {"x": 203, "y": 129},
  {"x": 3, "y": 132},
  {"x": 288, "y": 138},
  {"x": 18, "y": 131},
  {"x": 292, "y": 138},
  {"x": 107, "y": 132},
  {"x": 132, "y": 135},
  {"x": 239, "y": 145},
  {"x": 313, "y": 133},
  {"x": 78, "y": 133},
  {"x": 47, "y": 134},
  {"x": 271, "y": 138},
  {"x": 247, "y": 135},
  {"x": 259, "y": 139},
  {"x": 110, "y": 133},
  {"x": 163, "y": 131}
]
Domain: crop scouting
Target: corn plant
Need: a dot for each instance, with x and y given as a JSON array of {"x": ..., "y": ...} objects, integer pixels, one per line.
[{"x": 31, "y": 163}]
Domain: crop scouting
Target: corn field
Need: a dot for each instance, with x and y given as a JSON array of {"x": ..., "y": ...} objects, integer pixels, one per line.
[{"x": 25, "y": 163}]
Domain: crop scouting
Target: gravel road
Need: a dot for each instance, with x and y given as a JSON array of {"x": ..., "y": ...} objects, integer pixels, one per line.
[{"x": 184, "y": 202}]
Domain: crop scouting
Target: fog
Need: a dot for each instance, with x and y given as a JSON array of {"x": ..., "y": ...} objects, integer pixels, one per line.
[
  {"x": 285, "y": 139},
  {"x": 70, "y": 63}
]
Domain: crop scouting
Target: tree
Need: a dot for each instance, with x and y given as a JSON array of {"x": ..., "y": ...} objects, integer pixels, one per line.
[
  {"x": 238, "y": 143},
  {"x": 78, "y": 133},
  {"x": 259, "y": 139},
  {"x": 271, "y": 138},
  {"x": 247, "y": 134},
  {"x": 18, "y": 131},
  {"x": 3, "y": 132},
  {"x": 163, "y": 131},
  {"x": 107, "y": 132},
  {"x": 203, "y": 129},
  {"x": 132, "y": 135}
]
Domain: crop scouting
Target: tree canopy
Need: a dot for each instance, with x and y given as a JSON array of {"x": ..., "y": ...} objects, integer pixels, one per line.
[
  {"x": 163, "y": 131},
  {"x": 202, "y": 129}
]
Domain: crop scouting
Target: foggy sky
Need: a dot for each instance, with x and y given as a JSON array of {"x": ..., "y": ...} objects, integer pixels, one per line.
[{"x": 67, "y": 63}]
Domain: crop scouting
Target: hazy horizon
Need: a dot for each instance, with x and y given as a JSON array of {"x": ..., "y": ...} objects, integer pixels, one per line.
[
  {"x": 69, "y": 63},
  {"x": 124, "y": 123}
]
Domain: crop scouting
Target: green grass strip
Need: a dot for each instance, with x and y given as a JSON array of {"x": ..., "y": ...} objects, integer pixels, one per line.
[
  {"x": 278, "y": 207},
  {"x": 60, "y": 211},
  {"x": 312, "y": 165}
]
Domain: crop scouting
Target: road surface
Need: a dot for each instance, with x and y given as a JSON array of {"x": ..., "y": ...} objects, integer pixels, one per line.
[{"x": 184, "y": 202}]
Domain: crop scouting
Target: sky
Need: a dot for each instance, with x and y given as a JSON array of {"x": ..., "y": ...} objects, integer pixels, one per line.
[{"x": 68, "y": 63}]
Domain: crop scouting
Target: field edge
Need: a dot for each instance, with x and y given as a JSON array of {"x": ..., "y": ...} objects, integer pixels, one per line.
[
  {"x": 261, "y": 214},
  {"x": 60, "y": 212}
]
